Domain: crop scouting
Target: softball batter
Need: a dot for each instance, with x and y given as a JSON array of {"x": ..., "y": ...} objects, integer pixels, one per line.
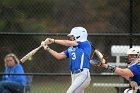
[{"x": 79, "y": 54}]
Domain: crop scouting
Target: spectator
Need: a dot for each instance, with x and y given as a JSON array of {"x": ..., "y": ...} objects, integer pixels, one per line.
[{"x": 12, "y": 83}]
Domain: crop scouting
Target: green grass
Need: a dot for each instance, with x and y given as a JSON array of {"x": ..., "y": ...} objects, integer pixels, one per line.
[
  {"x": 50, "y": 87},
  {"x": 60, "y": 85}
]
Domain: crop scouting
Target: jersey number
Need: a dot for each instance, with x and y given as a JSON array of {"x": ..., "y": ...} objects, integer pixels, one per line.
[{"x": 73, "y": 56}]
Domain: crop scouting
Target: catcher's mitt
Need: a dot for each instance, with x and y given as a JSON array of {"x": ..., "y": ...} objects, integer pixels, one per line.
[{"x": 97, "y": 58}]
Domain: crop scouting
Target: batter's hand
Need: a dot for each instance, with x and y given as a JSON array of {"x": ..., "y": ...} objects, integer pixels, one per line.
[
  {"x": 44, "y": 45},
  {"x": 49, "y": 41}
]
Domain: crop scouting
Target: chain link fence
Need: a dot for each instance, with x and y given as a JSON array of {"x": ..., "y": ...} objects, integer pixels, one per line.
[
  {"x": 60, "y": 16},
  {"x": 51, "y": 75},
  {"x": 24, "y": 24}
]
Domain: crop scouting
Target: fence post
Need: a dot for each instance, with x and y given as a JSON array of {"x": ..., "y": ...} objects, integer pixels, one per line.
[{"x": 131, "y": 22}]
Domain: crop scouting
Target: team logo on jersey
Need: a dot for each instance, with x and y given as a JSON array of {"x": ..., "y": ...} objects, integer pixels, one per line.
[{"x": 71, "y": 49}]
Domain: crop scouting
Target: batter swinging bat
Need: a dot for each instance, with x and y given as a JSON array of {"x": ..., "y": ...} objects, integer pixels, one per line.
[{"x": 26, "y": 57}]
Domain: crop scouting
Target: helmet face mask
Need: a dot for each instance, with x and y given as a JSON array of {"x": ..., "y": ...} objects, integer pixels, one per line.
[
  {"x": 132, "y": 58},
  {"x": 79, "y": 34}
]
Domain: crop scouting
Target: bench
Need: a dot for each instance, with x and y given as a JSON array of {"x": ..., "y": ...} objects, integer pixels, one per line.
[
  {"x": 111, "y": 85},
  {"x": 119, "y": 86}
]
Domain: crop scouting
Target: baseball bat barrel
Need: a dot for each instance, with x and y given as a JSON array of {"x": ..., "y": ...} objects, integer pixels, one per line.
[{"x": 30, "y": 54}]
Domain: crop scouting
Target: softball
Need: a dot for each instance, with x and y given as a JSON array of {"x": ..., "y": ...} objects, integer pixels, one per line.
[{"x": 30, "y": 58}]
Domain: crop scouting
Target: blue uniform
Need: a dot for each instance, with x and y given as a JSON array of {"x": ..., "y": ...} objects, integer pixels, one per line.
[
  {"x": 135, "y": 69},
  {"x": 79, "y": 55},
  {"x": 16, "y": 70}
]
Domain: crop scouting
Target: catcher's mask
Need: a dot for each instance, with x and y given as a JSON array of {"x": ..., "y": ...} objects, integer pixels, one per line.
[
  {"x": 78, "y": 34},
  {"x": 133, "y": 54}
]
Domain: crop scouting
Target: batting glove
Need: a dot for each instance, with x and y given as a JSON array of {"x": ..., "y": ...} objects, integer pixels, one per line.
[
  {"x": 43, "y": 43},
  {"x": 50, "y": 40},
  {"x": 46, "y": 47}
]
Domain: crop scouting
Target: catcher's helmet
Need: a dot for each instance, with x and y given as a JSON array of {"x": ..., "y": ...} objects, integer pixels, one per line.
[
  {"x": 79, "y": 33},
  {"x": 135, "y": 50},
  {"x": 128, "y": 91},
  {"x": 133, "y": 54}
]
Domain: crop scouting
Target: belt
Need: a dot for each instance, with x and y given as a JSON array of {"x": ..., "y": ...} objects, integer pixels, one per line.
[{"x": 77, "y": 71}]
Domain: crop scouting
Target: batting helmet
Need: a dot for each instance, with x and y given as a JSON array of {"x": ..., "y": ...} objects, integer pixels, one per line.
[{"x": 79, "y": 33}]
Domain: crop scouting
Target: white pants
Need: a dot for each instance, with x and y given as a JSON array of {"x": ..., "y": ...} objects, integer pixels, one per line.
[
  {"x": 80, "y": 81},
  {"x": 128, "y": 91}
]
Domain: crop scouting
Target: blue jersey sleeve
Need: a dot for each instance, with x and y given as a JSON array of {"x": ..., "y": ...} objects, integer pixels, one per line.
[
  {"x": 79, "y": 43},
  {"x": 134, "y": 69},
  {"x": 83, "y": 45},
  {"x": 66, "y": 53}
]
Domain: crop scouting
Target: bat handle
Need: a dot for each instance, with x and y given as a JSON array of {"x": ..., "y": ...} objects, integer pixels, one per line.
[
  {"x": 35, "y": 50},
  {"x": 39, "y": 47}
]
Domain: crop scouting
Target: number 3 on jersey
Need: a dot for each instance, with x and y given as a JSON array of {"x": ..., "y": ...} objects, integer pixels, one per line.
[{"x": 73, "y": 56}]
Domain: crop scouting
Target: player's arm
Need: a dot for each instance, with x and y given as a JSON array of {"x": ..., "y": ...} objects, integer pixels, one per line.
[
  {"x": 64, "y": 42},
  {"x": 126, "y": 73},
  {"x": 57, "y": 55}
]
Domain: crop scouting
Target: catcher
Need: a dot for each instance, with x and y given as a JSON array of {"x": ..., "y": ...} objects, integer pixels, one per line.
[{"x": 131, "y": 73}]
